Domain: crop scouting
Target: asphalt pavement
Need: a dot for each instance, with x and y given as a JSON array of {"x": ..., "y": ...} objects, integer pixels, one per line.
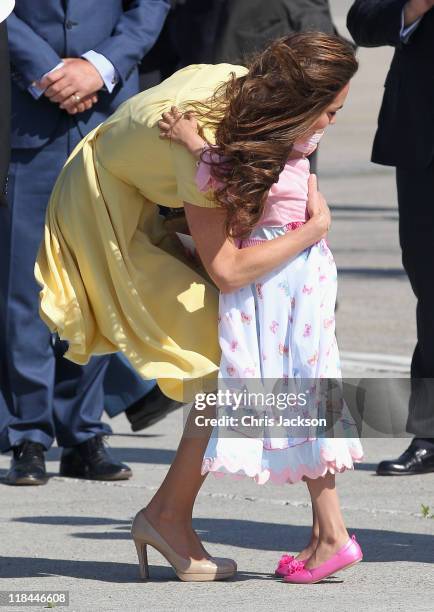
[{"x": 73, "y": 535}]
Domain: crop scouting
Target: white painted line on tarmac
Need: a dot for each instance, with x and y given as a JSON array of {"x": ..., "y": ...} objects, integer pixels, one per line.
[
  {"x": 380, "y": 357},
  {"x": 377, "y": 362}
]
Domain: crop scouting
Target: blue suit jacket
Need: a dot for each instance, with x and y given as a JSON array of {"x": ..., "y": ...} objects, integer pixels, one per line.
[{"x": 42, "y": 32}]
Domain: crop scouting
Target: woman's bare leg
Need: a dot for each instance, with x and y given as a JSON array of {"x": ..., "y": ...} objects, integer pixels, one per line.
[
  {"x": 332, "y": 531},
  {"x": 170, "y": 510}
]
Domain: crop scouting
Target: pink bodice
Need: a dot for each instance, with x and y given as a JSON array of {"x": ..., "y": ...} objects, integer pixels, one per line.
[{"x": 287, "y": 199}]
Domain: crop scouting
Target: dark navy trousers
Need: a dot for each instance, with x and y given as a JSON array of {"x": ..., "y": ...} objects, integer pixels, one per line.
[{"x": 42, "y": 395}]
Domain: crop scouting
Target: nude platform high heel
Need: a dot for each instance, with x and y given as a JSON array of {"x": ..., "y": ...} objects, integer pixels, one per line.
[{"x": 188, "y": 570}]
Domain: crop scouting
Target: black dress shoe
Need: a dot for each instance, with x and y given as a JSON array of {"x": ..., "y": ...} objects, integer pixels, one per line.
[
  {"x": 149, "y": 409},
  {"x": 415, "y": 460},
  {"x": 91, "y": 460},
  {"x": 28, "y": 465}
]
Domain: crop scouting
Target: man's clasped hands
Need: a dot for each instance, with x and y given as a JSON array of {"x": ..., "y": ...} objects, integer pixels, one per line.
[{"x": 73, "y": 86}]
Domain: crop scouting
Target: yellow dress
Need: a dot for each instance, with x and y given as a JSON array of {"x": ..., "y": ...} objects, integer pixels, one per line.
[{"x": 112, "y": 277}]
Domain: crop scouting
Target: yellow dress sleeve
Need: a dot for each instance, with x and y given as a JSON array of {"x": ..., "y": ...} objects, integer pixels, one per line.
[{"x": 185, "y": 167}]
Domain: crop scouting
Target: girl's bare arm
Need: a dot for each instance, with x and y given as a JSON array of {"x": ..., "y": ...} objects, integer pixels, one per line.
[{"x": 232, "y": 268}]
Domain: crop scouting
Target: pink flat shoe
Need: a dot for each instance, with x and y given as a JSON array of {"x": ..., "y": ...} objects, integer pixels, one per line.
[
  {"x": 348, "y": 555},
  {"x": 287, "y": 565}
]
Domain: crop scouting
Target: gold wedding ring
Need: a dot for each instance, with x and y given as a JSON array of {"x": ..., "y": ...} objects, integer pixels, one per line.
[{"x": 76, "y": 97}]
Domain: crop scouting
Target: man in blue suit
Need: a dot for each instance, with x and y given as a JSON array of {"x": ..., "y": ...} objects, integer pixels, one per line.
[{"x": 73, "y": 63}]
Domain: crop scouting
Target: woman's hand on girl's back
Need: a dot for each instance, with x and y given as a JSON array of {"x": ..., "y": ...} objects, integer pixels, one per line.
[{"x": 317, "y": 208}]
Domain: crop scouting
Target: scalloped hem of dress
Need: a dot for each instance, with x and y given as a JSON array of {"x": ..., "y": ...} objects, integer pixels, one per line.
[{"x": 221, "y": 467}]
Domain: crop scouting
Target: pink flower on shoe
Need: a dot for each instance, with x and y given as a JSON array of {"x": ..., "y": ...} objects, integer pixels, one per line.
[
  {"x": 288, "y": 565},
  {"x": 295, "y": 566}
]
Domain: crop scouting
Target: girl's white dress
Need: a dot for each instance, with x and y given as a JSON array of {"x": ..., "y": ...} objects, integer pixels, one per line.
[{"x": 279, "y": 334}]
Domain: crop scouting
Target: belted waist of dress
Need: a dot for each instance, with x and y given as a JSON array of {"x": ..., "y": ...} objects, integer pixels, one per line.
[{"x": 253, "y": 241}]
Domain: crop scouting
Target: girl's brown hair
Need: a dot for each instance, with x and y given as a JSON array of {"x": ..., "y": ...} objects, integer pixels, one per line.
[{"x": 258, "y": 117}]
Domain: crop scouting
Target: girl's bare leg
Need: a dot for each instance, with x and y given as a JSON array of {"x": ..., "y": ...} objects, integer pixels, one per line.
[
  {"x": 332, "y": 531},
  {"x": 170, "y": 510},
  {"x": 314, "y": 537}
]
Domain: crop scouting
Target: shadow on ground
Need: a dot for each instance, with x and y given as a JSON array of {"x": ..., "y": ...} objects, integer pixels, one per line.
[
  {"x": 158, "y": 456},
  {"x": 366, "y": 467},
  {"x": 103, "y": 571},
  {"x": 378, "y": 545},
  {"x": 134, "y": 455},
  {"x": 373, "y": 272}
]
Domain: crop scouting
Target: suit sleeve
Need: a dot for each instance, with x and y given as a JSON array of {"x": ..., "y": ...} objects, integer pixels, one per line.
[
  {"x": 31, "y": 55},
  {"x": 375, "y": 24},
  {"x": 134, "y": 35}
]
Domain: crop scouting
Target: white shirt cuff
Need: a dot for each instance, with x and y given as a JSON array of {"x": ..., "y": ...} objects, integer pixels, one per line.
[
  {"x": 35, "y": 91},
  {"x": 108, "y": 72},
  {"x": 406, "y": 32}
]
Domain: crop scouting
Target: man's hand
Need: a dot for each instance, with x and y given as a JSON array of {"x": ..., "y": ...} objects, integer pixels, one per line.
[
  {"x": 85, "y": 104},
  {"x": 415, "y": 9},
  {"x": 73, "y": 85}
]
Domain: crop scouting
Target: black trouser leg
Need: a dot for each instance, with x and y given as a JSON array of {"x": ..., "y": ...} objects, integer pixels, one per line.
[{"x": 416, "y": 233}]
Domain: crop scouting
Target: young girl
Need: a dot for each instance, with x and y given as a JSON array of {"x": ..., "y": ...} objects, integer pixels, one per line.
[{"x": 282, "y": 327}]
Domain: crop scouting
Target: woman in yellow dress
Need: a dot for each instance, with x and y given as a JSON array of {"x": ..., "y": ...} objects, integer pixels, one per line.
[{"x": 114, "y": 278}]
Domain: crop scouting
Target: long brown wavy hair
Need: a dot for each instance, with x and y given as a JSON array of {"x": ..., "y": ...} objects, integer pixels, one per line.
[{"x": 258, "y": 117}]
